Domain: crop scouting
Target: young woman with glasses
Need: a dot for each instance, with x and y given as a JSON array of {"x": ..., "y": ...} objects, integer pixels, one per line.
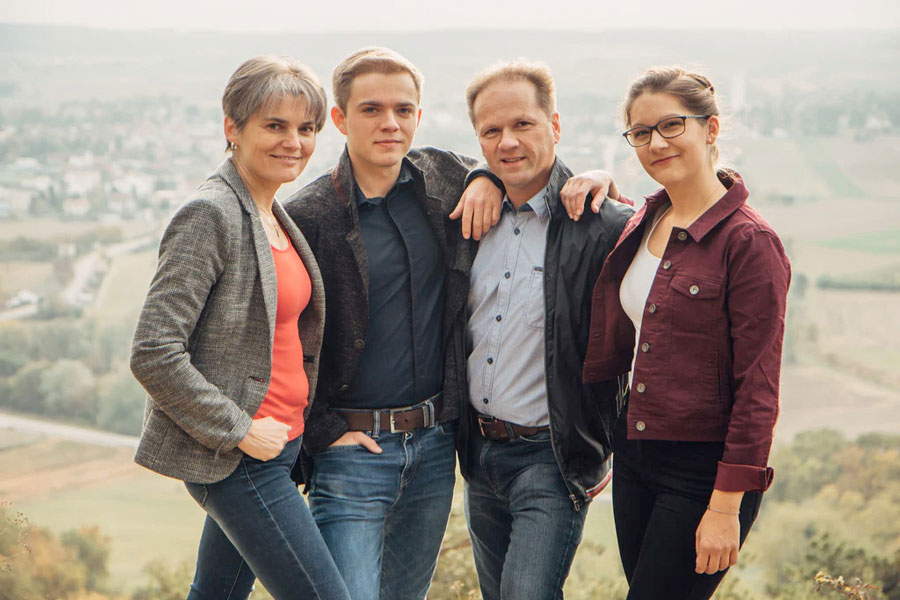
[{"x": 691, "y": 305}]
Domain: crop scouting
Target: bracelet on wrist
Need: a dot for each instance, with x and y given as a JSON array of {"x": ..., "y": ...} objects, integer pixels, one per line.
[{"x": 722, "y": 512}]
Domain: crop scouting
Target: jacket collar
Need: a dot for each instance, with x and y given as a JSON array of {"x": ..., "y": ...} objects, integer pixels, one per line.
[
  {"x": 559, "y": 174},
  {"x": 733, "y": 199},
  {"x": 345, "y": 183},
  {"x": 229, "y": 173}
]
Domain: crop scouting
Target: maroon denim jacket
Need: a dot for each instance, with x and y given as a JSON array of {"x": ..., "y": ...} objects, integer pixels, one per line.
[{"x": 709, "y": 357}]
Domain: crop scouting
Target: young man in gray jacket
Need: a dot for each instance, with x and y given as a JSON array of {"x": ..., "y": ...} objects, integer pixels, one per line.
[{"x": 534, "y": 443}]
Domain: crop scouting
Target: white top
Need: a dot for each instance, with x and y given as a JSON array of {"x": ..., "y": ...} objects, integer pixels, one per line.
[{"x": 636, "y": 284}]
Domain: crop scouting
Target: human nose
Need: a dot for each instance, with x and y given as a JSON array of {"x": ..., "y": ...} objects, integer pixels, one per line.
[
  {"x": 292, "y": 140},
  {"x": 507, "y": 140},
  {"x": 390, "y": 121},
  {"x": 657, "y": 141}
]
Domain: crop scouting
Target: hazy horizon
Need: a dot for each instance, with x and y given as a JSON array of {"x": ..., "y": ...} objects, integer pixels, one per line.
[{"x": 394, "y": 15}]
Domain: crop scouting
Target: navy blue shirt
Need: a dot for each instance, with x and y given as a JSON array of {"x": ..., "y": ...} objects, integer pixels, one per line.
[{"x": 402, "y": 363}]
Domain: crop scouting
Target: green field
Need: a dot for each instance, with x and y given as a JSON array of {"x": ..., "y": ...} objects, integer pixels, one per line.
[
  {"x": 827, "y": 169},
  {"x": 877, "y": 242}
]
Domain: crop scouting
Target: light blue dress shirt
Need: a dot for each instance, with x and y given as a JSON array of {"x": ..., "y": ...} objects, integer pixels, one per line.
[{"x": 505, "y": 330}]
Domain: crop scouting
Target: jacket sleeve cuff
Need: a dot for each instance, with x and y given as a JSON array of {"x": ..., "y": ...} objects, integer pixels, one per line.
[
  {"x": 743, "y": 478},
  {"x": 323, "y": 431},
  {"x": 237, "y": 433},
  {"x": 483, "y": 171}
]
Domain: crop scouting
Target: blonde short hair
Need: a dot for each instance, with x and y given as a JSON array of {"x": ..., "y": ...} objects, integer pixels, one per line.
[
  {"x": 373, "y": 59},
  {"x": 536, "y": 72}
]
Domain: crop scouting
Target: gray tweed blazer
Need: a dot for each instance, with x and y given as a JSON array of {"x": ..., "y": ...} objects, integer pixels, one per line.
[{"x": 203, "y": 344}]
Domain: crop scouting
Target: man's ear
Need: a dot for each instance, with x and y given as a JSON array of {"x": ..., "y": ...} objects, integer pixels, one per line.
[
  {"x": 557, "y": 128},
  {"x": 339, "y": 119}
]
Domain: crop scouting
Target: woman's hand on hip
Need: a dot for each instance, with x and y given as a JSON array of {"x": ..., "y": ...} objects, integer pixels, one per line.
[
  {"x": 266, "y": 439},
  {"x": 718, "y": 536},
  {"x": 358, "y": 438}
]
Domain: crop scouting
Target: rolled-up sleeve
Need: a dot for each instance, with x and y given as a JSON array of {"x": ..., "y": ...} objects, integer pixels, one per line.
[
  {"x": 759, "y": 275},
  {"x": 192, "y": 255}
]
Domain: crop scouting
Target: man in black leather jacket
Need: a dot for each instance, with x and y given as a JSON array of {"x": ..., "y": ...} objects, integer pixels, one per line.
[{"x": 534, "y": 441}]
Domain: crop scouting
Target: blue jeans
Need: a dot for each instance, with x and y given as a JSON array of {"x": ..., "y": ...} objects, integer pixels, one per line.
[
  {"x": 383, "y": 515},
  {"x": 257, "y": 525},
  {"x": 523, "y": 526}
]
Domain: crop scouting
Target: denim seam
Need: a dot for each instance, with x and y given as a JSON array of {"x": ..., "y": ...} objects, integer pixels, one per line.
[
  {"x": 276, "y": 528},
  {"x": 237, "y": 576},
  {"x": 561, "y": 573}
]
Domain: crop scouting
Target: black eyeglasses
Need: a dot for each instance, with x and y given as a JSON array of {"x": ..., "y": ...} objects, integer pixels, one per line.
[{"x": 668, "y": 128}]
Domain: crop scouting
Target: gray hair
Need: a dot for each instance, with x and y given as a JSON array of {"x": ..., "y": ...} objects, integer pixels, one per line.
[{"x": 262, "y": 81}]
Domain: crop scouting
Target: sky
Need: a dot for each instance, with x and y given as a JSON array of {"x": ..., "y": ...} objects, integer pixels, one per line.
[{"x": 420, "y": 15}]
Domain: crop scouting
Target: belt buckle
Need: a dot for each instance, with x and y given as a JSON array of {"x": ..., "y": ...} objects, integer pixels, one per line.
[
  {"x": 482, "y": 421},
  {"x": 391, "y": 413},
  {"x": 428, "y": 416}
]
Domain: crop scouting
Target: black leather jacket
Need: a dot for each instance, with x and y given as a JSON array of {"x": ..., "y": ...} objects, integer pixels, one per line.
[{"x": 581, "y": 416}]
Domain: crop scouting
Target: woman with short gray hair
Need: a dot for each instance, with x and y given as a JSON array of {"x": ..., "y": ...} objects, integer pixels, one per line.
[{"x": 227, "y": 346}]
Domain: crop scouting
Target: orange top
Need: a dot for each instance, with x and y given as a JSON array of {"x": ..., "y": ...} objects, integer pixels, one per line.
[{"x": 288, "y": 392}]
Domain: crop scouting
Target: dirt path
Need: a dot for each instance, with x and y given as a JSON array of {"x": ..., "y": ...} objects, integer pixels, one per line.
[{"x": 66, "y": 432}]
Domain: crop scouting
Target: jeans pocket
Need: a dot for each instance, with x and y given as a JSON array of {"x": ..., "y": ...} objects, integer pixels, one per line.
[
  {"x": 198, "y": 491},
  {"x": 539, "y": 437}
]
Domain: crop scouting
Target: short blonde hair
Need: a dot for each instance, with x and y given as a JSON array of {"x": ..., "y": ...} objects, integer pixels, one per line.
[
  {"x": 373, "y": 59},
  {"x": 536, "y": 72},
  {"x": 262, "y": 81}
]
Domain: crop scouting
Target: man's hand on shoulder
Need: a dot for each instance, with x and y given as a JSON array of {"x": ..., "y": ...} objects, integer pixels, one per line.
[
  {"x": 478, "y": 207},
  {"x": 599, "y": 184}
]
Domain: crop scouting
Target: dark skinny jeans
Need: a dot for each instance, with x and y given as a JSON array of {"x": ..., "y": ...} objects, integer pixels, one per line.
[{"x": 660, "y": 492}]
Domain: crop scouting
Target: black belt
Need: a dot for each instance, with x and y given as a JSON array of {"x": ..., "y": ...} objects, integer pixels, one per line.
[{"x": 404, "y": 418}]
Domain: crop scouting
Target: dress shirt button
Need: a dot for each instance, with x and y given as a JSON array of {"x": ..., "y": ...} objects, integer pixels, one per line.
[
  {"x": 682, "y": 235},
  {"x": 667, "y": 265},
  {"x": 490, "y": 360},
  {"x": 651, "y": 309},
  {"x": 694, "y": 289},
  {"x": 359, "y": 344},
  {"x": 640, "y": 426},
  {"x": 507, "y": 275},
  {"x": 641, "y": 388},
  {"x": 485, "y": 400},
  {"x": 645, "y": 347},
  {"x": 499, "y": 318},
  {"x": 517, "y": 231}
]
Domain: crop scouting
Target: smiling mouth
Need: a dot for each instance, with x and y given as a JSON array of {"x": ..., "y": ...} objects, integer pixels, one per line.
[
  {"x": 287, "y": 158},
  {"x": 387, "y": 142},
  {"x": 512, "y": 161},
  {"x": 663, "y": 160}
]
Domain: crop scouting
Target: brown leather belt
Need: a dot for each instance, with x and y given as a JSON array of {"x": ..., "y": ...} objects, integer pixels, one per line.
[
  {"x": 498, "y": 430},
  {"x": 404, "y": 418}
]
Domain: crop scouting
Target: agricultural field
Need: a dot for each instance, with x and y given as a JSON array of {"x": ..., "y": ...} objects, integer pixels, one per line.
[{"x": 122, "y": 292}]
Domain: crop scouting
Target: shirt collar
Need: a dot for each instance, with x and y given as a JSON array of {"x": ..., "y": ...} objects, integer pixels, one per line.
[
  {"x": 733, "y": 199},
  {"x": 539, "y": 204},
  {"x": 403, "y": 178}
]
